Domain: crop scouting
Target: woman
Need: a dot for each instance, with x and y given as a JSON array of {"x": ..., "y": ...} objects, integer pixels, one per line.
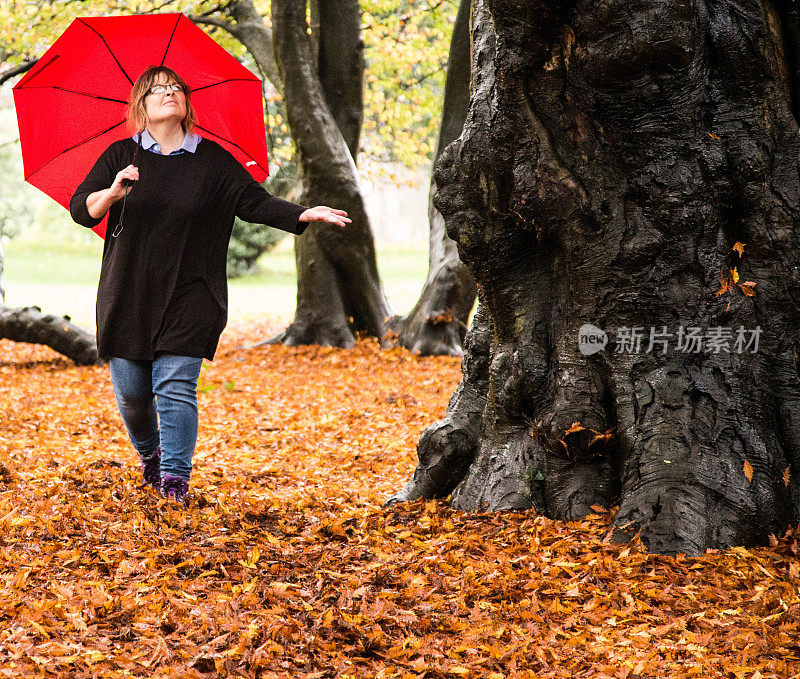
[{"x": 162, "y": 295}]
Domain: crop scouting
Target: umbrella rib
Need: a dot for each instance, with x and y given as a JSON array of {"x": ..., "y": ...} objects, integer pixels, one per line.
[
  {"x": 67, "y": 150},
  {"x": 33, "y": 74},
  {"x": 85, "y": 94},
  {"x": 227, "y": 80},
  {"x": 232, "y": 143},
  {"x": 114, "y": 56},
  {"x": 172, "y": 35}
]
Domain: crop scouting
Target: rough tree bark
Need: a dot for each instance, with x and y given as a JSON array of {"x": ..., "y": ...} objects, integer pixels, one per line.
[
  {"x": 613, "y": 156},
  {"x": 438, "y": 322},
  {"x": 339, "y": 292}
]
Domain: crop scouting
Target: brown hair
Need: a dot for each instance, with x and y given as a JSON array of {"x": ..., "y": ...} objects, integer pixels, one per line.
[{"x": 136, "y": 115}]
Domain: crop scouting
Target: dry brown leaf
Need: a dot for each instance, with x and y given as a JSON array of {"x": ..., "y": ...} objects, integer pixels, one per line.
[{"x": 575, "y": 426}]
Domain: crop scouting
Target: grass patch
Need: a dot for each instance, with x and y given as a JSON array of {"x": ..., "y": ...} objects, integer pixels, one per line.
[
  {"x": 62, "y": 278},
  {"x": 49, "y": 263}
]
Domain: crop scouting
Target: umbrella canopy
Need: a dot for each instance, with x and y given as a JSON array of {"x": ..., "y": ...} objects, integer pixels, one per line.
[{"x": 71, "y": 105}]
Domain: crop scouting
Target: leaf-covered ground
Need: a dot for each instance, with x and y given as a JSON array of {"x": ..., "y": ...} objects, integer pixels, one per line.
[{"x": 285, "y": 565}]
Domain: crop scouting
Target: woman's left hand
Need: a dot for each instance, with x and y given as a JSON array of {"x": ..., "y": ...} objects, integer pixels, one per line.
[{"x": 323, "y": 213}]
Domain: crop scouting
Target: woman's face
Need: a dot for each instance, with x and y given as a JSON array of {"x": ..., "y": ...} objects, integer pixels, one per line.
[{"x": 165, "y": 105}]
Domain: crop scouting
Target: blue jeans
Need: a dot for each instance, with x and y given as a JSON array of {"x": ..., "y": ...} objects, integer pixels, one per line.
[{"x": 162, "y": 390}]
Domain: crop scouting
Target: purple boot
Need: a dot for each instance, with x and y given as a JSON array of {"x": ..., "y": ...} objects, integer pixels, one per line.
[
  {"x": 174, "y": 488},
  {"x": 151, "y": 467}
]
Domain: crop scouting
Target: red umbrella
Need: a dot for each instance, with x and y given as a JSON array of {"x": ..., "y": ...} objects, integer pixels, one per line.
[{"x": 71, "y": 105}]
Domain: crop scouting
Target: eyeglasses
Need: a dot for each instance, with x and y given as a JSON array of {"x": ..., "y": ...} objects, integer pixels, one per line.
[{"x": 160, "y": 89}]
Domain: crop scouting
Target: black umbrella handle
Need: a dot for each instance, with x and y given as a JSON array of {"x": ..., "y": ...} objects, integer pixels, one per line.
[{"x": 126, "y": 183}]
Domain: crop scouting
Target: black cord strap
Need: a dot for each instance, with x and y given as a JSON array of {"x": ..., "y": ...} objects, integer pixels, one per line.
[{"x": 118, "y": 227}]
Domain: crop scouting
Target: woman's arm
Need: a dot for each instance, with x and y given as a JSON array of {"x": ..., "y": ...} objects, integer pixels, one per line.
[
  {"x": 99, "y": 202},
  {"x": 256, "y": 205},
  {"x": 101, "y": 187}
]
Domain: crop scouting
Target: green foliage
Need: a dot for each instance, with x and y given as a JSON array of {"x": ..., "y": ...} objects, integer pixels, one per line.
[
  {"x": 406, "y": 48},
  {"x": 26, "y": 212},
  {"x": 248, "y": 243}
]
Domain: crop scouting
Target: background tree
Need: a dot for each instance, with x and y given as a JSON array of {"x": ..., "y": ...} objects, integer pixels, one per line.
[
  {"x": 339, "y": 292},
  {"x": 628, "y": 166},
  {"x": 438, "y": 322}
]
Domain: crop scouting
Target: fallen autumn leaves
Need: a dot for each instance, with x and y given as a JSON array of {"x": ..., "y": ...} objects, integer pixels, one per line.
[{"x": 285, "y": 565}]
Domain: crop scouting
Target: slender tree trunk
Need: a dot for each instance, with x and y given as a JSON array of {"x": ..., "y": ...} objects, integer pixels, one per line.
[
  {"x": 340, "y": 64},
  {"x": 438, "y": 322},
  {"x": 615, "y": 158},
  {"x": 339, "y": 292},
  {"x": 250, "y": 30}
]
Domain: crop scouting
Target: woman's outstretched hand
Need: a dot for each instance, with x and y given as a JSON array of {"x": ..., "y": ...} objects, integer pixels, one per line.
[{"x": 323, "y": 213}]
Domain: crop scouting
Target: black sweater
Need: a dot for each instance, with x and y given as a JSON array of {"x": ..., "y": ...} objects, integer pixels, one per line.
[{"x": 162, "y": 283}]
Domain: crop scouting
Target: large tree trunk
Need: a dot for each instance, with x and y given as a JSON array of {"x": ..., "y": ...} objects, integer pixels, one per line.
[
  {"x": 613, "y": 157},
  {"x": 438, "y": 322},
  {"x": 339, "y": 292}
]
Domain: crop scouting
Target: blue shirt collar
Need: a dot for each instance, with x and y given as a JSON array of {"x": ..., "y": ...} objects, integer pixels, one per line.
[{"x": 190, "y": 142}]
